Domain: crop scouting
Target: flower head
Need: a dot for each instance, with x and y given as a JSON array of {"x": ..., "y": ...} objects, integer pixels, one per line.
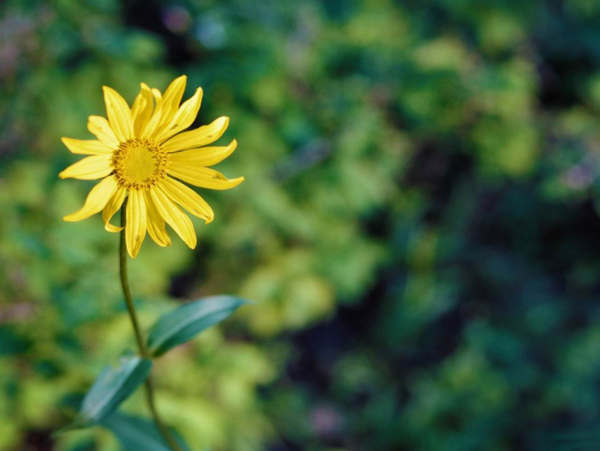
[{"x": 139, "y": 153}]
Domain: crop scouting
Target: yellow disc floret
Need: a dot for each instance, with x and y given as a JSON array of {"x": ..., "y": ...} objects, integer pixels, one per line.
[{"x": 139, "y": 164}]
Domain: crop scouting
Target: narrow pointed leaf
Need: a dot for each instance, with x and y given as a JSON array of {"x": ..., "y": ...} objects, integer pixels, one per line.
[
  {"x": 111, "y": 388},
  {"x": 185, "y": 322},
  {"x": 138, "y": 433}
]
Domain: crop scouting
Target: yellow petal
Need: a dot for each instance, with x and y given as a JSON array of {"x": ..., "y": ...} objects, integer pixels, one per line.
[
  {"x": 90, "y": 168},
  {"x": 199, "y": 137},
  {"x": 100, "y": 127},
  {"x": 165, "y": 108},
  {"x": 156, "y": 224},
  {"x": 135, "y": 226},
  {"x": 86, "y": 146},
  {"x": 172, "y": 98},
  {"x": 139, "y": 106},
  {"x": 202, "y": 177},
  {"x": 119, "y": 114},
  {"x": 171, "y": 213},
  {"x": 113, "y": 205},
  {"x": 187, "y": 198},
  {"x": 183, "y": 118},
  {"x": 157, "y": 95},
  {"x": 142, "y": 108},
  {"x": 96, "y": 199},
  {"x": 204, "y": 156}
]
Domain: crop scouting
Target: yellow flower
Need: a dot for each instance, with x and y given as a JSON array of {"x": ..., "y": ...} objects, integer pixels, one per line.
[{"x": 138, "y": 152}]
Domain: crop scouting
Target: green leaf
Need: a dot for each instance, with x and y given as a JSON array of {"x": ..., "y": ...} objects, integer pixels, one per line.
[
  {"x": 111, "y": 388},
  {"x": 185, "y": 322},
  {"x": 138, "y": 433}
]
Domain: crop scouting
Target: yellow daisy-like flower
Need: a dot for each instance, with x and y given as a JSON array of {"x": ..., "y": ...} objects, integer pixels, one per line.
[{"x": 138, "y": 153}]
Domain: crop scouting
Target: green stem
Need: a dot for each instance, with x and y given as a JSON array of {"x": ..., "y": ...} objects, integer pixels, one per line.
[{"x": 143, "y": 349}]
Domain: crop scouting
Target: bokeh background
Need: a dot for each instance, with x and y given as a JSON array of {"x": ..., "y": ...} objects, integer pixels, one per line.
[{"x": 418, "y": 223}]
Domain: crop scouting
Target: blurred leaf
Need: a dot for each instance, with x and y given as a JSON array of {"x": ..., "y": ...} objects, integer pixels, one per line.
[
  {"x": 573, "y": 439},
  {"x": 138, "y": 433},
  {"x": 111, "y": 388},
  {"x": 10, "y": 342},
  {"x": 185, "y": 322}
]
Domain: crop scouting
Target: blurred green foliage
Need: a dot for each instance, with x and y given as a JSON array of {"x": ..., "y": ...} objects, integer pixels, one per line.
[{"x": 417, "y": 223}]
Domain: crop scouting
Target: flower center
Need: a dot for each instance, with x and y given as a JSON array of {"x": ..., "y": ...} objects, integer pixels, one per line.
[{"x": 139, "y": 164}]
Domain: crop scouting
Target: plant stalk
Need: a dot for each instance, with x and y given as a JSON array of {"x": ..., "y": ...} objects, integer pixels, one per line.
[{"x": 143, "y": 349}]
